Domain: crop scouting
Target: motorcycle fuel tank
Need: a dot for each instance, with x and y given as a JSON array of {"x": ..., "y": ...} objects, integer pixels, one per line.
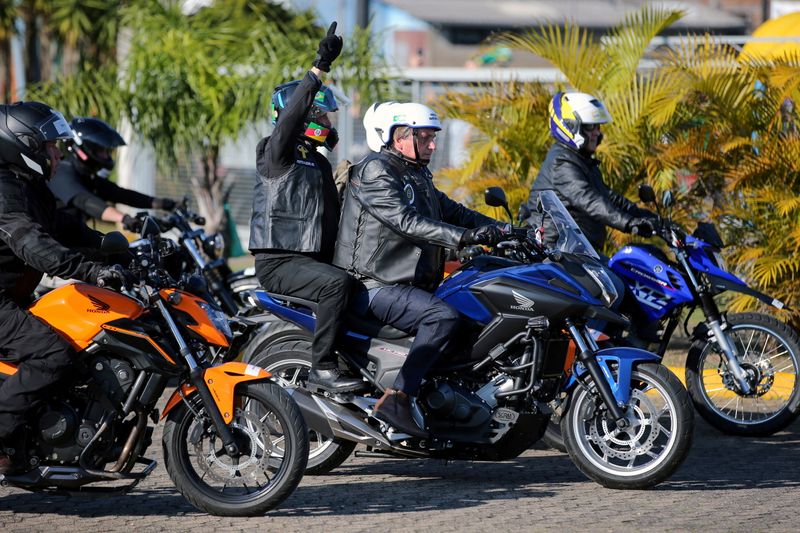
[{"x": 78, "y": 311}]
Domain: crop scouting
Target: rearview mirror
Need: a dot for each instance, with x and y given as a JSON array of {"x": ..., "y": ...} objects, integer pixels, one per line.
[
  {"x": 667, "y": 199},
  {"x": 495, "y": 197},
  {"x": 113, "y": 242},
  {"x": 647, "y": 194},
  {"x": 150, "y": 227}
]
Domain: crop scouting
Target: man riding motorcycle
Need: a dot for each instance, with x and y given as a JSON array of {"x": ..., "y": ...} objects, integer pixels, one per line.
[
  {"x": 34, "y": 239},
  {"x": 393, "y": 231},
  {"x": 573, "y": 172},
  {"x": 81, "y": 182}
]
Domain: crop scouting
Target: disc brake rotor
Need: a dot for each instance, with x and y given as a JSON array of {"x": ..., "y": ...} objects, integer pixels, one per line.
[
  {"x": 629, "y": 443},
  {"x": 255, "y": 447}
]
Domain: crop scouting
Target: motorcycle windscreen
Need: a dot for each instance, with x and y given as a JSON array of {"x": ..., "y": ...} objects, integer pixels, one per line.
[{"x": 78, "y": 311}]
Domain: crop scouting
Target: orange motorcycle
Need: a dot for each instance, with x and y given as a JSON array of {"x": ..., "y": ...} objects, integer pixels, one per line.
[{"x": 235, "y": 443}]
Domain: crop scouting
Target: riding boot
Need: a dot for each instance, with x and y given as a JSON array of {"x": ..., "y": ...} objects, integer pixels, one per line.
[
  {"x": 333, "y": 380},
  {"x": 394, "y": 408},
  {"x": 12, "y": 455}
]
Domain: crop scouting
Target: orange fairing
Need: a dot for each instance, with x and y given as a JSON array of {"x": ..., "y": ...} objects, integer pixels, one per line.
[
  {"x": 222, "y": 381},
  {"x": 7, "y": 369},
  {"x": 191, "y": 305},
  {"x": 79, "y": 311}
]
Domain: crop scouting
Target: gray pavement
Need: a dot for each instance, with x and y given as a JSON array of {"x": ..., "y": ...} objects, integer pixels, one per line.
[{"x": 726, "y": 484}]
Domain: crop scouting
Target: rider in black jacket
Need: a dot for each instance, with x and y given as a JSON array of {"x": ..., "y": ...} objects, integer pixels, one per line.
[
  {"x": 296, "y": 211},
  {"x": 394, "y": 229},
  {"x": 81, "y": 183},
  {"x": 34, "y": 239},
  {"x": 572, "y": 171}
]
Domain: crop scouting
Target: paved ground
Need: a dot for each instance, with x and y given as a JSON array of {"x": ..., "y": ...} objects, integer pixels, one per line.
[{"x": 726, "y": 484}]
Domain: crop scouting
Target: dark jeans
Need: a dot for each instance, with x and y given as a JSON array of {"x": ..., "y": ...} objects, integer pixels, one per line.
[
  {"x": 419, "y": 313},
  {"x": 303, "y": 277},
  {"x": 43, "y": 358}
]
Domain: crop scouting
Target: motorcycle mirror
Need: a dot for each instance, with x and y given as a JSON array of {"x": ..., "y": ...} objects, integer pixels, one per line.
[
  {"x": 496, "y": 197},
  {"x": 113, "y": 242},
  {"x": 523, "y": 214},
  {"x": 667, "y": 199},
  {"x": 150, "y": 227},
  {"x": 647, "y": 194}
]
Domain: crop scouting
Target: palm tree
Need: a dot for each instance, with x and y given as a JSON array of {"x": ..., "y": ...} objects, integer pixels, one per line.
[{"x": 8, "y": 18}]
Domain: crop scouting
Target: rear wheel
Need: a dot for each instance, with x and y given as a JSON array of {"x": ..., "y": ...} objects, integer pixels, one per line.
[
  {"x": 770, "y": 356},
  {"x": 273, "y": 448},
  {"x": 290, "y": 361},
  {"x": 649, "y": 450}
]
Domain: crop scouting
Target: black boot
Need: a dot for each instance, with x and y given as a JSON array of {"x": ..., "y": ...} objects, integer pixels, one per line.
[
  {"x": 333, "y": 380},
  {"x": 394, "y": 408}
]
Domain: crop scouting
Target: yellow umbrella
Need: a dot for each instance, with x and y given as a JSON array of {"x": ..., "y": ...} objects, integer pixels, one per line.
[{"x": 786, "y": 26}]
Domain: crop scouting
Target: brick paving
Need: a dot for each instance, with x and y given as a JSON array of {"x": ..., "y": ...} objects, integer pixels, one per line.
[{"x": 726, "y": 484}]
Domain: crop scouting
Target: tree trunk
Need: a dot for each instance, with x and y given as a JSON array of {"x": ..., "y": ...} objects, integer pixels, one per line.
[
  {"x": 5, "y": 63},
  {"x": 32, "y": 57},
  {"x": 210, "y": 191}
]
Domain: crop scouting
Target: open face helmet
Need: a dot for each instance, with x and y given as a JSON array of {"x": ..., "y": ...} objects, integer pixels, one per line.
[
  {"x": 25, "y": 129},
  {"x": 94, "y": 144},
  {"x": 324, "y": 102},
  {"x": 381, "y": 119},
  {"x": 570, "y": 111}
]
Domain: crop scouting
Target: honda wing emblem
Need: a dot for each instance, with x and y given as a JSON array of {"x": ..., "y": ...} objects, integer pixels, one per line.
[
  {"x": 99, "y": 305},
  {"x": 523, "y": 302}
]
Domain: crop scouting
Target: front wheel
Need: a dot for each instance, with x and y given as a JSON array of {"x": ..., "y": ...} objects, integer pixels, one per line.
[
  {"x": 273, "y": 448},
  {"x": 769, "y": 353},
  {"x": 649, "y": 450}
]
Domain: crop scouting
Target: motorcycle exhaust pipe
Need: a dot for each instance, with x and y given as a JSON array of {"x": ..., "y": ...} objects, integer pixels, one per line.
[{"x": 334, "y": 420}]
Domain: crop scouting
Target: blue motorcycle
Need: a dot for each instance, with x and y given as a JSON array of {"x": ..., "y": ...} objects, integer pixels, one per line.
[
  {"x": 741, "y": 369},
  {"x": 627, "y": 420}
]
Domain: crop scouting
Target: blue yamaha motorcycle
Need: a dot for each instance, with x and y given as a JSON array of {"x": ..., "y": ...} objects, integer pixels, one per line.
[
  {"x": 742, "y": 369},
  {"x": 626, "y": 419}
]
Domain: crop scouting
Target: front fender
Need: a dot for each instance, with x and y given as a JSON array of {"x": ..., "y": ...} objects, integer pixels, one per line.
[
  {"x": 222, "y": 381},
  {"x": 723, "y": 284},
  {"x": 625, "y": 359}
]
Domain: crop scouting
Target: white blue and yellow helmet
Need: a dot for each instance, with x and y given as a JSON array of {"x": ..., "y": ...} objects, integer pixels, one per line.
[{"x": 569, "y": 111}]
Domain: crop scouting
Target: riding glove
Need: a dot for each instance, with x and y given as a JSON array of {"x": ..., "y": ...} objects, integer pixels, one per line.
[
  {"x": 329, "y": 49},
  {"x": 487, "y": 235}
]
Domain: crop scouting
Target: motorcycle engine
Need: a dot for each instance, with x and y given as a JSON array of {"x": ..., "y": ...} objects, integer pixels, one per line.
[{"x": 113, "y": 376}]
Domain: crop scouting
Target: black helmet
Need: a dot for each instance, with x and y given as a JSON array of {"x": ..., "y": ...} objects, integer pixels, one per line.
[
  {"x": 324, "y": 102},
  {"x": 94, "y": 141},
  {"x": 25, "y": 128}
]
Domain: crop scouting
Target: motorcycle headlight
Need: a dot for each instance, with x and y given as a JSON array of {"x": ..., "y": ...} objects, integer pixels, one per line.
[
  {"x": 213, "y": 245},
  {"x": 603, "y": 280},
  {"x": 218, "y": 318}
]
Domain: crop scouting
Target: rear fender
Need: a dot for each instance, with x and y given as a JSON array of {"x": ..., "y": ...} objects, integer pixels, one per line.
[
  {"x": 222, "y": 381},
  {"x": 625, "y": 359}
]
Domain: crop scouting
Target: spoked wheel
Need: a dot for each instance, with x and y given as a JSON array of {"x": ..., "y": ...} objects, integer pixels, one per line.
[
  {"x": 769, "y": 354},
  {"x": 290, "y": 362},
  {"x": 645, "y": 453},
  {"x": 271, "y": 436}
]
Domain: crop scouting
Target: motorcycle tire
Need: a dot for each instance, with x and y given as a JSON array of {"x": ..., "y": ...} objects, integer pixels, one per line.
[
  {"x": 772, "y": 358},
  {"x": 289, "y": 360},
  {"x": 273, "y": 441},
  {"x": 649, "y": 450}
]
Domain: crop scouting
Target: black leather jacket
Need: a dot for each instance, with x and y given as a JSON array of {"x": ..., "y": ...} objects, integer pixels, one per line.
[
  {"x": 577, "y": 181},
  {"x": 84, "y": 195},
  {"x": 395, "y": 224},
  {"x": 35, "y": 238},
  {"x": 295, "y": 203}
]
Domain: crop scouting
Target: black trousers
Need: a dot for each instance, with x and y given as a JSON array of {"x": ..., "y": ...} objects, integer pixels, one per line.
[
  {"x": 43, "y": 358},
  {"x": 303, "y": 277},
  {"x": 419, "y": 313}
]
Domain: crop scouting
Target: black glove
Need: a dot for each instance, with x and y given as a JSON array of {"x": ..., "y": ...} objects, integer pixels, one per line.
[
  {"x": 644, "y": 227},
  {"x": 130, "y": 223},
  {"x": 488, "y": 235},
  {"x": 167, "y": 204},
  {"x": 114, "y": 277},
  {"x": 329, "y": 49}
]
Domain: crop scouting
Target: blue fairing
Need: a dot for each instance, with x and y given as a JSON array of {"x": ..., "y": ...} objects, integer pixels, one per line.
[
  {"x": 455, "y": 289},
  {"x": 625, "y": 359},
  {"x": 699, "y": 259},
  {"x": 656, "y": 284},
  {"x": 303, "y": 317}
]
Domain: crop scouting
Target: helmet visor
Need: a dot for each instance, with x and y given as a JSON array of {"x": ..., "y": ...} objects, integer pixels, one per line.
[
  {"x": 54, "y": 128},
  {"x": 325, "y": 101}
]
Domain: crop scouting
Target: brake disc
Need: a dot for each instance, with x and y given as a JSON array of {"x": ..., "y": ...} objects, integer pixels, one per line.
[
  {"x": 255, "y": 447},
  {"x": 625, "y": 444}
]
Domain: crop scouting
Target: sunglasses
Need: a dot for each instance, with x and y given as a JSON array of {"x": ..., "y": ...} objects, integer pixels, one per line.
[{"x": 588, "y": 128}]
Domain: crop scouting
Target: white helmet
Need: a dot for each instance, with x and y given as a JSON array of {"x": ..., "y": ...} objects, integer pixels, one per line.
[
  {"x": 381, "y": 119},
  {"x": 569, "y": 111}
]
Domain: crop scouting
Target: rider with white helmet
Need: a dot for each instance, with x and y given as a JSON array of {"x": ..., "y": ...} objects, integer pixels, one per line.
[
  {"x": 573, "y": 172},
  {"x": 393, "y": 231}
]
